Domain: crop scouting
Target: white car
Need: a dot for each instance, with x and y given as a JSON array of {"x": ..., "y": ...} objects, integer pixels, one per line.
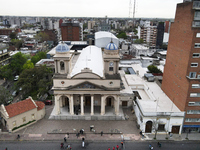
[
  {"x": 16, "y": 78},
  {"x": 14, "y": 93}
]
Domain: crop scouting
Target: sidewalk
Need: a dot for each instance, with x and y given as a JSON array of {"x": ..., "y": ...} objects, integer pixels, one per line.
[
  {"x": 174, "y": 137},
  {"x": 56, "y": 130}
]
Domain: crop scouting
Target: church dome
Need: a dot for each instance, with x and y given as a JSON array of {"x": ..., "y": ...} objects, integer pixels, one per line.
[
  {"x": 111, "y": 46},
  {"x": 62, "y": 47}
]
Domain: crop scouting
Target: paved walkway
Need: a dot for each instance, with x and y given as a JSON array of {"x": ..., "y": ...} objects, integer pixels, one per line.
[{"x": 46, "y": 129}]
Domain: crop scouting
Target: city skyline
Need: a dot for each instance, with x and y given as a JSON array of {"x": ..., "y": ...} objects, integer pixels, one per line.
[{"x": 89, "y": 8}]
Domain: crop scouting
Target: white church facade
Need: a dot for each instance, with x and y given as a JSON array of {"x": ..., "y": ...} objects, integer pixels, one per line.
[{"x": 87, "y": 85}]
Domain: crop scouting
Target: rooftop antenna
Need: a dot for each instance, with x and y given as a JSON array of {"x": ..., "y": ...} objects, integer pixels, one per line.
[{"x": 133, "y": 19}]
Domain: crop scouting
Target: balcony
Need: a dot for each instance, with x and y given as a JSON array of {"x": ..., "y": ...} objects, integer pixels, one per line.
[
  {"x": 196, "y": 24},
  {"x": 196, "y": 5}
]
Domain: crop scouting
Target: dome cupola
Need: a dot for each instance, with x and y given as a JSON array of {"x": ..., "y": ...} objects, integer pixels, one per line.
[{"x": 62, "y": 48}]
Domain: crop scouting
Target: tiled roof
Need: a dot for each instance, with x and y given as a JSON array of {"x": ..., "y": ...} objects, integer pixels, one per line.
[
  {"x": 20, "y": 107},
  {"x": 40, "y": 105}
]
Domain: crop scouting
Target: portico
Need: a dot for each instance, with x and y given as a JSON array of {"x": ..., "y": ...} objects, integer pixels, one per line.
[{"x": 76, "y": 104}]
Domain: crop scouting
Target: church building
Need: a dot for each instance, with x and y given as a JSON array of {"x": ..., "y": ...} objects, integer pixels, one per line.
[{"x": 87, "y": 85}]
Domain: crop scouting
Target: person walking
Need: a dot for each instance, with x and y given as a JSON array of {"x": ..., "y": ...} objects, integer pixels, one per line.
[
  {"x": 122, "y": 144},
  {"x": 109, "y": 148},
  {"x": 65, "y": 139},
  {"x": 113, "y": 148},
  {"x": 117, "y": 147}
]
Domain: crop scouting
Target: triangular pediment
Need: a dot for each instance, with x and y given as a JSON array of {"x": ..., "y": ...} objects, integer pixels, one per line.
[{"x": 86, "y": 86}]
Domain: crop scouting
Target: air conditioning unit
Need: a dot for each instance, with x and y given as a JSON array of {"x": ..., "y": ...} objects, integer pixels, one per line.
[{"x": 198, "y": 76}]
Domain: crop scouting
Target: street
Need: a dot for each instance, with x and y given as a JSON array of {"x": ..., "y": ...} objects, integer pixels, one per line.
[{"x": 55, "y": 145}]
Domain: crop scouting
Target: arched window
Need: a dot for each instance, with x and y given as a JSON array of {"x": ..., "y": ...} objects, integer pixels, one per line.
[{"x": 62, "y": 65}]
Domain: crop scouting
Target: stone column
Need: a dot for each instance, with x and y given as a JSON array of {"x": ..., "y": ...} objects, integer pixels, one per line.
[
  {"x": 57, "y": 104},
  {"x": 82, "y": 106},
  {"x": 117, "y": 105},
  {"x": 102, "y": 105},
  {"x": 92, "y": 104},
  {"x": 71, "y": 105},
  {"x": 56, "y": 69}
]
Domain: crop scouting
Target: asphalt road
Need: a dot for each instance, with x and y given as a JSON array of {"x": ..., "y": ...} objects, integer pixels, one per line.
[{"x": 53, "y": 145}]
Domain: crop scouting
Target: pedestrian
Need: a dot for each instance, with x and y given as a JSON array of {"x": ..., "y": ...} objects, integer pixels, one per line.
[
  {"x": 62, "y": 145},
  {"x": 18, "y": 136},
  {"x": 189, "y": 130},
  {"x": 117, "y": 147},
  {"x": 6, "y": 148},
  {"x": 65, "y": 139},
  {"x": 68, "y": 135},
  {"x": 101, "y": 133},
  {"x": 122, "y": 144},
  {"x": 113, "y": 148},
  {"x": 109, "y": 148}
]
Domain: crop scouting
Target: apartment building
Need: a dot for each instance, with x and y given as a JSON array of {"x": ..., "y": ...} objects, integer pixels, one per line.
[
  {"x": 181, "y": 79},
  {"x": 70, "y": 31}
]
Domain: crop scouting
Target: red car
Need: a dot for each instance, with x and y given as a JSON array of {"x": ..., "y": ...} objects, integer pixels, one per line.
[{"x": 48, "y": 102}]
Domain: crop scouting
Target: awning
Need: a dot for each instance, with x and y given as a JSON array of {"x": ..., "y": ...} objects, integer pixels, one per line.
[{"x": 191, "y": 126}]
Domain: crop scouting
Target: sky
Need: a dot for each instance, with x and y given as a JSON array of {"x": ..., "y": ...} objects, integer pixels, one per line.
[{"x": 89, "y": 8}]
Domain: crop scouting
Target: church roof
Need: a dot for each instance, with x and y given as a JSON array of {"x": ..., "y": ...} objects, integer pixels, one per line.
[{"x": 90, "y": 57}]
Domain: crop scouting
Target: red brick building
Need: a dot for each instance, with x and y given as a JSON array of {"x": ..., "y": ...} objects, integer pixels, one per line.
[
  {"x": 181, "y": 79},
  {"x": 70, "y": 31}
]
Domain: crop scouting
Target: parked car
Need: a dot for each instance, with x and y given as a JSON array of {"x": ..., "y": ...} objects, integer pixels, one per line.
[
  {"x": 48, "y": 102},
  {"x": 16, "y": 78},
  {"x": 14, "y": 93}
]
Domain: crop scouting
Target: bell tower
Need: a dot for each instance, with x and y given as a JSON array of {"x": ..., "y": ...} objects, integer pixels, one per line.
[
  {"x": 111, "y": 59},
  {"x": 62, "y": 59}
]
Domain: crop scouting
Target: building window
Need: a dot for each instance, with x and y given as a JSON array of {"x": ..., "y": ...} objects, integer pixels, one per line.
[
  {"x": 33, "y": 116},
  {"x": 193, "y": 112},
  {"x": 192, "y": 75},
  {"x": 194, "y": 94},
  {"x": 195, "y": 86},
  {"x": 198, "y": 35},
  {"x": 62, "y": 65},
  {"x": 192, "y": 120},
  {"x": 194, "y": 104},
  {"x": 161, "y": 127},
  {"x": 196, "y": 55},
  {"x": 110, "y": 68},
  {"x": 24, "y": 119},
  {"x": 194, "y": 64},
  {"x": 14, "y": 124},
  {"x": 197, "y": 45}
]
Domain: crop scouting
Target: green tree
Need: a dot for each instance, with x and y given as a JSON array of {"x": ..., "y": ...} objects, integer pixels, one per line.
[
  {"x": 5, "y": 96},
  {"x": 28, "y": 65},
  {"x": 17, "y": 62},
  {"x": 38, "y": 57},
  {"x": 13, "y": 35},
  {"x": 153, "y": 69},
  {"x": 138, "y": 41},
  {"x": 34, "y": 81},
  {"x": 122, "y": 35},
  {"x": 42, "y": 36},
  {"x": 17, "y": 43},
  {"x": 6, "y": 72}
]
